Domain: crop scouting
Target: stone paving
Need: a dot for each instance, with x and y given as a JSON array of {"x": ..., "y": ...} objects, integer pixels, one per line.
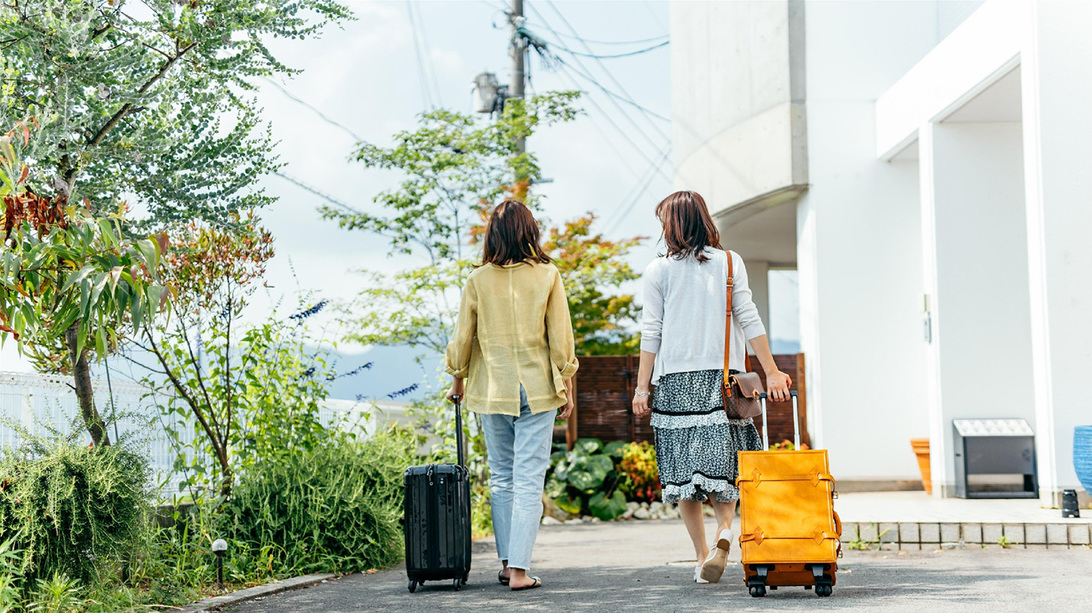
[{"x": 643, "y": 565}]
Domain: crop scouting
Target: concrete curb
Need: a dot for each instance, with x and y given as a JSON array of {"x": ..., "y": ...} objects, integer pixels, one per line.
[{"x": 218, "y": 602}]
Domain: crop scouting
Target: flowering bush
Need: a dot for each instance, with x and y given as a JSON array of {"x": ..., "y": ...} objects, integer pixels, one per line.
[
  {"x": 640, "y": 477},
  {"x": 787, "y": 445}
]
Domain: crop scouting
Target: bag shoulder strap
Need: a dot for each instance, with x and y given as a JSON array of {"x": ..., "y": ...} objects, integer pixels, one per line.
[{"x": 728, "y": 320}]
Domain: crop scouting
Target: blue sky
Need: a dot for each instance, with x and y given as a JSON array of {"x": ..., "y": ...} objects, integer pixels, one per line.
[{"x": 365, "y": 77}]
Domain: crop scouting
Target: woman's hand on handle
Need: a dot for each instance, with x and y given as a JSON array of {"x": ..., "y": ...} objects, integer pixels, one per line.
[
  {"x": 778, "y": 384},
  {"x": 456, "y": 390}
]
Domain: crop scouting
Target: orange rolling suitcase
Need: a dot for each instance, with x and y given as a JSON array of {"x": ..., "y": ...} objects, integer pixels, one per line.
[{"x": 789, "y": 532}]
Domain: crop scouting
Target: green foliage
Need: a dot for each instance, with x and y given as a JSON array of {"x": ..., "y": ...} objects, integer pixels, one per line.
[
  {"x": 598, "y": 479},
  {"x": 594, "y": 270},
  {"x": 454, "y": 167},
  {"x": 640, "y": 475},
  {"x": 336, "y": 507},
  {"x": 584, "y": 479},
  {"x": 151, "y": 98},
  {"x": 10, "y": 576},
  {"x": 73, "y": 510},
  {"x": 70, "y": 282},
  {"x": 58, "y": 594}
]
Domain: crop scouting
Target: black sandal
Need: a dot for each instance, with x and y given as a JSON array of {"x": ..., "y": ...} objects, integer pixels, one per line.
[
  {"x": 500, "y": 577},
  {"x": 533, "y": 585}
]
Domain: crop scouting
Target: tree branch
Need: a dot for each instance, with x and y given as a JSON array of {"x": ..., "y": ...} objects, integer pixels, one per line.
[{"x": 128, "y": 106}]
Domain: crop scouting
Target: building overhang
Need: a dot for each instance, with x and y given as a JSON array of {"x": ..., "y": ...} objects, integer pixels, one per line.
[{"x": 979, "y": 53}]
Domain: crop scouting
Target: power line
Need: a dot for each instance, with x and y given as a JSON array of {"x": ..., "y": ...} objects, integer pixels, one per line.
[
  {"x": 428, "y": 52},
  {"x": 334, "y": 201},
  {"x": 597, "y": 60},
  {"x": 654, "y": 39},
  {"x": 316, "y": 111},
  {"x": 612, "y": 94},
  {"x": 599, "y": 128},
  {"x": 621, "y": 111},
  {"x": 614, "y": 55},
  {"x": 624, "y": 134},
  {"x": 623, "y": 213},
  {"x": 422, "y": 78}
]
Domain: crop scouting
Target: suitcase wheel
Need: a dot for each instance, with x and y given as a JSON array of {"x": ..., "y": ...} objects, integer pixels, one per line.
[
  {"x": 758, "y": 591},
  {"x": 824, "y": 590},
  {"x": 466, "y": 578},
  {"x": 455, "y": 583},
  {"x": 412, "y": 586}
]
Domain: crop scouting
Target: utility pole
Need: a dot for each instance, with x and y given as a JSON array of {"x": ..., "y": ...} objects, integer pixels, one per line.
[{"x": 517, "y": 50}]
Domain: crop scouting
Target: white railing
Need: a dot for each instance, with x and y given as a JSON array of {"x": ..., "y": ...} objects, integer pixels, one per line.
[{"x": 35, "y": 402}]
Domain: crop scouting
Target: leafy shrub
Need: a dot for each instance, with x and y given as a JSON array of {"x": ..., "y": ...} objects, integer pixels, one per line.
[
  {"x": 73, "y": 510},
  {"x": 787, "y": 445},
  {"x": 585, "y": 479},
  {"x": 9, "y": 576},
  {"x": 640, "y": 476},
  {"x": 336, "y": 507}
]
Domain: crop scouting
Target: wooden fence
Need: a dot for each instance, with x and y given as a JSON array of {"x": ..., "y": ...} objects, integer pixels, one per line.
[{"x": 604, "y": 401}]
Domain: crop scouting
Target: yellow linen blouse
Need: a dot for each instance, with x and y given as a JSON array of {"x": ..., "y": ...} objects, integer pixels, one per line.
[{"x": 513, "y": 328}]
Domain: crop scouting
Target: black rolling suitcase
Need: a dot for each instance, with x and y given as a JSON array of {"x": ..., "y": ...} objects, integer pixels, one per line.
[{"x": 437, "y": 519}]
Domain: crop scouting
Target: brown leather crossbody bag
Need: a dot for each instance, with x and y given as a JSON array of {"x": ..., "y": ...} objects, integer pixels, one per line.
[{"x": 740, "y": 391}]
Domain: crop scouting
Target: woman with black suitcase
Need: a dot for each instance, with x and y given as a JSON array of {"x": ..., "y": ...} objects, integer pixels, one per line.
[
  {"x": 683, "y": 356},
  {"x": 512, "y": 357}
]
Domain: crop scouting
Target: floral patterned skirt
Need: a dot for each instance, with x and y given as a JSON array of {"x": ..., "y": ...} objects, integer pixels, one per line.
[{"x": 696, "y": 443}]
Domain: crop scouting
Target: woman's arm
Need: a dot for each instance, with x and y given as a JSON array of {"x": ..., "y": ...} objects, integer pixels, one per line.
[
  {"x": 559, "y": 335},
  {"x": 643, "y": 392},
  {"x": 652, "y": 324},
  {"x": 458, "y": 350},
  {"x": 777, "y": 382}
]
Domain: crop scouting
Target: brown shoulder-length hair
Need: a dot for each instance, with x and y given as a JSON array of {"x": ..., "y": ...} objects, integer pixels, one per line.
[
  {"x": 688, "y": 227},
  {"x": 511, "y": 236}
]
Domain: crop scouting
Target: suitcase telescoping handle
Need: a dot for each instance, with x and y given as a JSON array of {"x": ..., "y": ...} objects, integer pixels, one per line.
[
  {"x": 459, "y": 442},
  {"x": 795, "y": 422}
]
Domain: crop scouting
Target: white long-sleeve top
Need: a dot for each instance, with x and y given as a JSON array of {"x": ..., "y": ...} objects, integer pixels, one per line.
[{"x": 684, "y": 311}]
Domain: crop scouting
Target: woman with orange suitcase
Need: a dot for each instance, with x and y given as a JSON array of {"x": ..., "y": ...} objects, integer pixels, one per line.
[{"x": 682, "y": 355}]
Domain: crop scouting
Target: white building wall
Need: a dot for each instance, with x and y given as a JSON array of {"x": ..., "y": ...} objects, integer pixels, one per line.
[
  {"x": 1057, "y": 88},
  {"x": 980, "y": 304},
  {"x": 859, "y": 242},
  {"x": 736, "y": 118}
]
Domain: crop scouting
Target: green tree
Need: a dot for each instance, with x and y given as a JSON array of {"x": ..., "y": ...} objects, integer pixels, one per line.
[
  {"x": 69, "y": 280},
  {"x": 594, "y": 270},
  {"x": 150, "y": 100}
]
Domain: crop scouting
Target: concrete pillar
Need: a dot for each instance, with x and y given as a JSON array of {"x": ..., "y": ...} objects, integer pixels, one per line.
[
  {"x": 975, "y": 249},
  {"x": 758, "y": 278},
  {"x": 1055, "y": 92}
]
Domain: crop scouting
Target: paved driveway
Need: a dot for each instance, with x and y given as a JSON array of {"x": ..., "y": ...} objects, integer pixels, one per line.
[{"x": 641, "y": 566}]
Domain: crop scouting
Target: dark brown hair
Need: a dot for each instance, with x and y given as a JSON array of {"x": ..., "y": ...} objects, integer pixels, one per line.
[
  {"x": 688, "y": 227},
  {"x": 511, "y": 236}
]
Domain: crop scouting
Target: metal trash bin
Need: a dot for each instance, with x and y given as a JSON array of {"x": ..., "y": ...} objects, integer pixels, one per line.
[{"x": 995, "y": 458}]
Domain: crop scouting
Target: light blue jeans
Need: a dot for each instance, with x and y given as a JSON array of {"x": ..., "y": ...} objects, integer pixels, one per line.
[{"x": 519, "y": 454}]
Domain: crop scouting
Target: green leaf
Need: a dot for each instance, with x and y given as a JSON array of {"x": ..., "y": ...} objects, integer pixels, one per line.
[
  {"x": 569, "y": 504},
  {"x": 107, "y": 231},
  {"x": 615, "y": 449},
  {"x": 588, "y": 445},
  {"x": 607, "y": 508},
  {"x": 150, "y": 252},
  {"x": 137, "y": 309},
  {"x": 76, "y": 277}
]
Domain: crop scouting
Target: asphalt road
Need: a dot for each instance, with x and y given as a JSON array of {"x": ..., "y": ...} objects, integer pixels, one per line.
[{"x": 642, "y": 566}]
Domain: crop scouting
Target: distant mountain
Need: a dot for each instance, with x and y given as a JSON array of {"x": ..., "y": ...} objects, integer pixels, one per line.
[{"x": 399, "y": 373}]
